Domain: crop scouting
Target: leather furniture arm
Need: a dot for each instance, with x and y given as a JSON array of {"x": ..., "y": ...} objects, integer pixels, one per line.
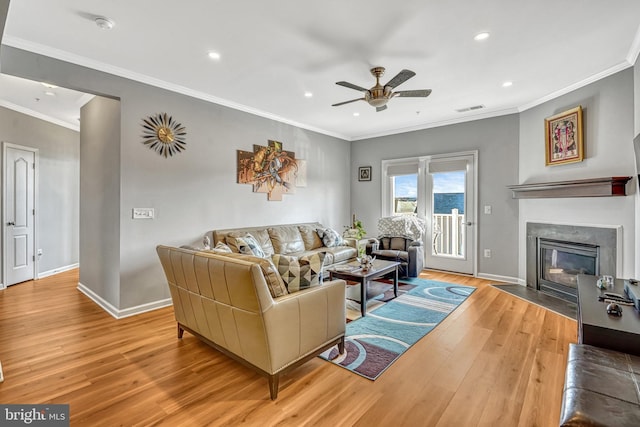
[
  {"x": 416, "y": 259},
  {"x": 299, "y": 323},
  {"x": 372, "y": 245}
]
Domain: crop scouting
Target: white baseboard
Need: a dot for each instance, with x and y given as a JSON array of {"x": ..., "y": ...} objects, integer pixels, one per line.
[
  {"x": 57, "y": 270},
  {"x": 127, "y": 312},
  {"x": 498, "y": 278}
]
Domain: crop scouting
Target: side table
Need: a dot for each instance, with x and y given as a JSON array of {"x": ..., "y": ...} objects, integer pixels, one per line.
[{"x": 597, "y": 328}]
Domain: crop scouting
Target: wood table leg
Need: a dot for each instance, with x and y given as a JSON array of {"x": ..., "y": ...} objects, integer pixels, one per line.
[
  {"x": 395, "y": 282},
  {"x": 363, "y": 297}
]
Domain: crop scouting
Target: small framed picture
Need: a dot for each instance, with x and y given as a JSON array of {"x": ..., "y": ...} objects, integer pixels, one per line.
[
  {"x": 364, "y": 173},
  {"x": 563, "y": 137}
]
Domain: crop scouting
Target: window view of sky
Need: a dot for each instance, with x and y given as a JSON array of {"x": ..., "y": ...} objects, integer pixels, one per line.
[
  {"x": 443, "y": 182},
  {"x": 448, "y": 182}
]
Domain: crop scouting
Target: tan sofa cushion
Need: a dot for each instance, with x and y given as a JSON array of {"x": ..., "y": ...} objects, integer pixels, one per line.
[
  {"x": 310, "y": 237},
  {"x": 275, "y": 283},
  {"x": 286, "y": 239},
  {"x": 299, "y": 273},
  {"x": 342, "y": 253}
]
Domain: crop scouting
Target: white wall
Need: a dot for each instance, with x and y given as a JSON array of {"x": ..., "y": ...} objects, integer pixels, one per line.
[{"x": 608, "y": 141}]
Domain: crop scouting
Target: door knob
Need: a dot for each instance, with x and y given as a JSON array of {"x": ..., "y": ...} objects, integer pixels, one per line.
[
  {"x": 469, "y": 223},
  {"x": 11, "y": 223}
]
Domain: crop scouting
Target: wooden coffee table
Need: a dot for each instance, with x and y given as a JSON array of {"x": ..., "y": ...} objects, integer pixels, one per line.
[{"x": 380, "y": 268}]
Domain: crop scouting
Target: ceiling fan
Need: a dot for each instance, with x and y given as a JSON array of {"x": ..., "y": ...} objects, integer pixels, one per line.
[{"x": 379, "y": 95}]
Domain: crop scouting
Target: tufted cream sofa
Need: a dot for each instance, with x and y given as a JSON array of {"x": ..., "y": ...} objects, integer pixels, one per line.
[
  {"x": 226, "y": 302},
  {"x": 292, "y": 239}
]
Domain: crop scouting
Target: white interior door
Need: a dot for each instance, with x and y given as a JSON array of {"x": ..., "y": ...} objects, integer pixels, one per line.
[
  {"x": 19, "y": 212},
  {"x": 450, "y": 213}
]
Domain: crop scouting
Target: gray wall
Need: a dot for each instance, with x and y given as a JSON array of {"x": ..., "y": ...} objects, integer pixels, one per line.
[
  {"x": 195, "y": 191},
  {"x": 608, "y": 141},
  {"x": 496, "y": 140},
  {"x": 58, "y": 190},
  {"x": 100, "y": 198}
]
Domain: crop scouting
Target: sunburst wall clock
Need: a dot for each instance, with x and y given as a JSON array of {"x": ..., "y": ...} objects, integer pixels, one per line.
[{"x": 164, "y": 135}]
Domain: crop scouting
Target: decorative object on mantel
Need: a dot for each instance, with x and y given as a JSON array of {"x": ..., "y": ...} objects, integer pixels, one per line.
[
  {"x": 563, "y": 136},
  {"x": 593, "y": 187},
  {"x": 163, "y": 134},
  {"x": 271, "y": 170},
  {"x": 364, "y": 173}
]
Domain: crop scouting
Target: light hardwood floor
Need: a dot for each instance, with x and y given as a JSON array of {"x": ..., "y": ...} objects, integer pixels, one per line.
[{"x": 495, "y": 361}]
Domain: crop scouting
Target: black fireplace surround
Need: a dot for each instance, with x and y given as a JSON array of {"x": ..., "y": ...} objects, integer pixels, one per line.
[{"x": 576, "y": 249}]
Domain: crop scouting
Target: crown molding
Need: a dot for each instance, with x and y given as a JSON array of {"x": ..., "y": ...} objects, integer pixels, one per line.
[
  {"x": 634, "y": 50},
  {"x": 38, "y": 115},
  {"x": 142, "y": 78},
  {"x": 152, "y": 81},
  {"x": 470, "y": 118},
  {"x": 591, "y": 79}
]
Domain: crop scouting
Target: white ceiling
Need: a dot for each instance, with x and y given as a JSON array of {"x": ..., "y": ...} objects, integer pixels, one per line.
[{"x": 272, "y": 52}]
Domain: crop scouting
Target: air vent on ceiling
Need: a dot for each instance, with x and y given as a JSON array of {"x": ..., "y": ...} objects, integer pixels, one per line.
[{"x": 475, "y": 107}]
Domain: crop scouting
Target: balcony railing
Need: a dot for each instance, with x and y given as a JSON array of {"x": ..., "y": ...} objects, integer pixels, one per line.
[{"x": 448, "y": 234}]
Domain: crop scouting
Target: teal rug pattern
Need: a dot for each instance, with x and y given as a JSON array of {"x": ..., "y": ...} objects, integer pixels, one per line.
[{"x": 375, "y": 341}]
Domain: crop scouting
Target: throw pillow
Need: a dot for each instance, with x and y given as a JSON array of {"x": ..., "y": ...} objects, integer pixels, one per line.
[
  {"x": 330, "y": 237},
  {"x": 310, "y": 237},
  {"x": 299, "y": 273},
  {"x": 246, "y": 244},
  {"x": 275, "y": 283},
  {"x": 222, "y": 248}
]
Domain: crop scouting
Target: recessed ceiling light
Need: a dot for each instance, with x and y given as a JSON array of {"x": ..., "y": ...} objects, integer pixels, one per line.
[
  {"x": 104, "y": 23},
  {"x": 48, "y": 85},
  {"x": 214, "y": 55},
  {"x": 481, "y": 36},
  {"x": 356, "y": 114},
  {"x": 308, "y": 95},
  {"x": 507, "y": 84},
  {"x": 49, "y": 93}
]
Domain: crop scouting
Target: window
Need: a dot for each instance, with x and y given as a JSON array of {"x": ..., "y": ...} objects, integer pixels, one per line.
[{"x": 405, "y": 194}]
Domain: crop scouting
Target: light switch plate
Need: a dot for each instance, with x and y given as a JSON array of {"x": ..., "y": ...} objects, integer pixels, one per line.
[
  {"x": 143, "y": 213},
  {"x": 487, "y": 210}
]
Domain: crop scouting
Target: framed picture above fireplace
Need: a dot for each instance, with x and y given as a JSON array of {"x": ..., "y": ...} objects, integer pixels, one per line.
[{"x": 563, "y": 137}]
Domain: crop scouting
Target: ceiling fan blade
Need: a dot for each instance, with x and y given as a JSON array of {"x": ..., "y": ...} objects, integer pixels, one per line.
[
  {"x": 400, "y": 78},
  {"x": 378, "y": 109},
  {"x": 413, "y": 93},
  {"x": 347, "y": 102},
  {"x": 352, "y": 86}
]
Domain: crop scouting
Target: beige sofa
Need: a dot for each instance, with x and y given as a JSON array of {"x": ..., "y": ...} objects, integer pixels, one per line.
[
  {"x": 292, "y": 239},
  {"x": 225, "y": 301}
]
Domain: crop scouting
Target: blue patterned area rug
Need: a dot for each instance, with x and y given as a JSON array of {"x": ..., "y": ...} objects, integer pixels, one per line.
[{"x": 392, "y": 325}]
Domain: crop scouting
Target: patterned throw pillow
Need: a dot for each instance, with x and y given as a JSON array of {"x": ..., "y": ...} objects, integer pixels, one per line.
[
  {"x": 330, "y": 237},
  {"x": 275, "y": 283},
  {"x": 222, "y": 248},
  {"x": 299, "y": 273},
  {"x": 247, "y": 245}
]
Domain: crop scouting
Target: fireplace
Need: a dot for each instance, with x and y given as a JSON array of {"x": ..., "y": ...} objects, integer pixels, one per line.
[
  {"x": 557, "y": 253},
  {"x": 560, "y": 262}
]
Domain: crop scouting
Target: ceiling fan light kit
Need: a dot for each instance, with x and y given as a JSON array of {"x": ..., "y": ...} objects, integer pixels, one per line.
[{"x": 379, "y": 95}]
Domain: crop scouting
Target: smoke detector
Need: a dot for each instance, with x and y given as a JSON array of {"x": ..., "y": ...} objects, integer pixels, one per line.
[{"x": 104, "y": 23}]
